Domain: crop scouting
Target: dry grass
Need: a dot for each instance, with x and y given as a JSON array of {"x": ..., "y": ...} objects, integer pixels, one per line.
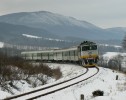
[{"x": 121, "y": 86}]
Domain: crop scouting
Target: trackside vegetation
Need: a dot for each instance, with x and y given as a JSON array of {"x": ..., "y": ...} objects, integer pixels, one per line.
[{"x": 16, "y": 69}]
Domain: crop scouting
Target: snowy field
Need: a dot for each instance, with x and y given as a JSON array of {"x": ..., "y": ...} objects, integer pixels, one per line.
[
  {"x": 68, "y": 71},
  {"x": 1, "y": 44},
  {"x": 120, "y": 57},
  {"x": 110, "y": 55},
  {"x": 105, "y": 81}
]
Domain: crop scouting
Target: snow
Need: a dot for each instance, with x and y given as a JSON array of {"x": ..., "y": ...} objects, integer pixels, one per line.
[
  {"x": 22, "y": 86},
  {"x": 108, "y": 45},
  {"x": 109, "y": 55},
  {"x": 90, "y": 73},
  {"x": 120, "y": 96},
  {"x": 37, "y": 37},
  {"x": 68, "y": 71},
  {"x": 31, "y": 36},
  {"x": 117, "y": 46},
  {"x": 105, "y": 81},
  {"x": 56, "y": 19},
  {"x": 1, "y": 44},
  {"x": 4, "y": 94}
]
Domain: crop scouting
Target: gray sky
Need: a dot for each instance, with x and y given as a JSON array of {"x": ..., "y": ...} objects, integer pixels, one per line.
[{"x": 103, "y": 13}]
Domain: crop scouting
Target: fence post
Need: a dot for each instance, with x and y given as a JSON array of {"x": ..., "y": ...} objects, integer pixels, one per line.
[
  {"x": 116, "y": 77},
  {"x": 82, "y": 97}
]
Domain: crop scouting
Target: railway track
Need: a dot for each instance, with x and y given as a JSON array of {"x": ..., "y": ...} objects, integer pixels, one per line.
[{"x": 54, "y": 88}]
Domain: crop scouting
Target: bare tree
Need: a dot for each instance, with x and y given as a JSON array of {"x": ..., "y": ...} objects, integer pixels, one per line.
[{"x": 115, "y": 63}]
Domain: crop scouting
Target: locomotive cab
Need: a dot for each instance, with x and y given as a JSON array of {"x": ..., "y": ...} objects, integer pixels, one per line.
[{"x": 88, "y": 53}]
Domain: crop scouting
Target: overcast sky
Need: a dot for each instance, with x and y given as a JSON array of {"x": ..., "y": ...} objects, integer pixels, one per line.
[{"x": 103, "y": 13}]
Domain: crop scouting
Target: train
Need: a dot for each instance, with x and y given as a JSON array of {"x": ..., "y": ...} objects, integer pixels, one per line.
[{"x": 86, "y": 54}]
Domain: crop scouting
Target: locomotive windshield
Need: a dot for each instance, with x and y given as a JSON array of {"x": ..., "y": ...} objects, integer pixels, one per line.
[{"x": 87, "y": 47}]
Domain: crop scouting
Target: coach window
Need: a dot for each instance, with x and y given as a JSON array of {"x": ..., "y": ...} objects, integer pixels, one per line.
[
  {"x": 44, "y": 54},
  {"x": 66, "y": 53},
  {"x": 35, "y": 54},
  {"x": 76, "y": 53},
  {"x": 38, "y": 54},
  {"x": 71, "y": 53},
  {"x": 62, "y": 53},
  {"x": 23, "y": 55},
  {"x": 50, "y": 54}
]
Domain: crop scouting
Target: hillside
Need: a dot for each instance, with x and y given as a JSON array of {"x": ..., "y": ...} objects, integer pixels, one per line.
[
  {"x": 63, "y": 26},
  {"x": 119, "y": 30},
  {"x": 24, "y": 35}
]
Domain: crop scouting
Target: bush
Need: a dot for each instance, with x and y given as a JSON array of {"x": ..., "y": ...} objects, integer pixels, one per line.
[
  {"x": 98, "y": 93},
  {"x": 57, "y": 73},
  {"x": 15, "y": 68}
]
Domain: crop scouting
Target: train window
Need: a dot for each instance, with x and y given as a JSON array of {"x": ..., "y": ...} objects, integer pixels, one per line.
[
  {"x": 50, "y": 54},
  {"x": 85, "y": 48},
  {"x": 35, "y": 54},
  {"x": 44, "y": 54},
  {"x": 76, "y": 53},
  {"x": 92, "y": 47},
  {"x": 66, "y": 53},
  {"x": 39, "y": 54},
  {"x": 59, "y": 53},
  {"x": 71, "y": 53},
  {"x": 63, "y": 53}
]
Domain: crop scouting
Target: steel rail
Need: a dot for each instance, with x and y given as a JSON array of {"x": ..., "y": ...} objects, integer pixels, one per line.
[{"x": 63, "y": 87}]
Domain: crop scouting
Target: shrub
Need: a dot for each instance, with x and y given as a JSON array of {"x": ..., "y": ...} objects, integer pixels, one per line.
[
  {"x": 57, "y": 73},
  {"x": 98, "y": 93},
  {"x": 15, "y": 68}
]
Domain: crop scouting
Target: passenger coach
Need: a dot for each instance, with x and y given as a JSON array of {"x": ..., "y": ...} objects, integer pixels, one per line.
[{"x": 86, "y": 54}]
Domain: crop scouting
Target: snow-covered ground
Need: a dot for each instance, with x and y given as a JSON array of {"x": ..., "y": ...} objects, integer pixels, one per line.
[
  {"x": 108, "y": 45},
  {"x": 113, "y": 89},
  {"x": 68, "y": 72},
  {"x": 1, "y": 44},
  {"x": 91, "y": 72},
  {"x": 105, "y": 81},
  {"x": 109, "y": 55},
  {"x": 121, "y": 57}
]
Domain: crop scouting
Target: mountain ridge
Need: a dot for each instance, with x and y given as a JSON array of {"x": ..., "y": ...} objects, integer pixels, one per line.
[
  {"x": 51, "y": 25},
  {"x": 58, "y": 24}
]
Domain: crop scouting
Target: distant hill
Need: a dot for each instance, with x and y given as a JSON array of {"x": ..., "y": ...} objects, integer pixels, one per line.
[
  {"x": 63, "y": 26},
  {"x": 47, "y": 29},
  {"x": 24, "y": 35},
  {"x": 119, "y": 30}
]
